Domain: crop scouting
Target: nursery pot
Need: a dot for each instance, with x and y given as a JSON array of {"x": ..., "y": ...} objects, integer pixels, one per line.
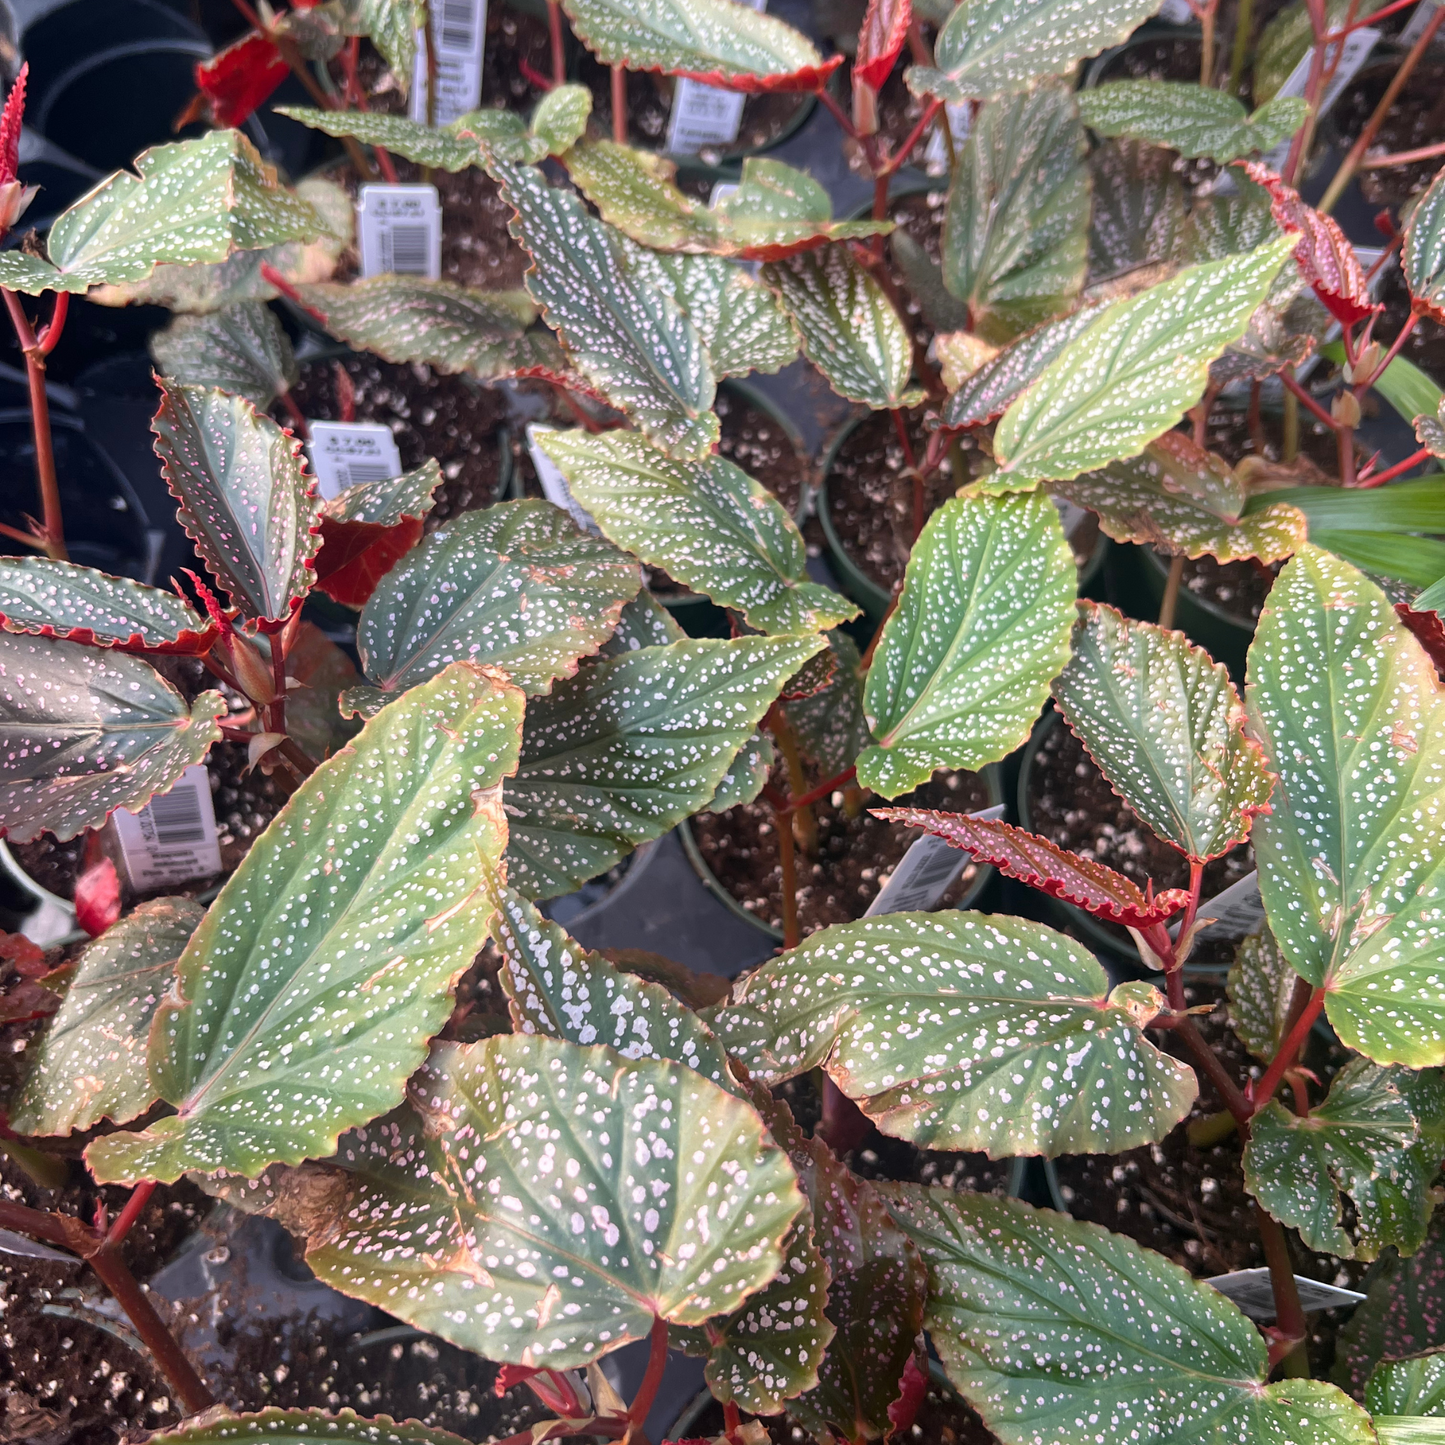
[
  {"x": 1153, "y": 35},
  {"x": 576, "y": 910}
]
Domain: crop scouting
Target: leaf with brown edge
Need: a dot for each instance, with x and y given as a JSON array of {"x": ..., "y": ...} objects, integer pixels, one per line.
[
  {"x": 1325, "y": 258},
  {"x": 1019, "y": 854},
  {"x": 60, "y": 599},
  {"x": 1423, "y": 257},
  {"x": 880, "y": 41}
]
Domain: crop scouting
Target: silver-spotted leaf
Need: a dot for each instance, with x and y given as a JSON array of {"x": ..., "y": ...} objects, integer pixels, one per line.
[
  {"x": 707, "y": 524},
  {"x": 988, "y": 392},
  {"x": 961, "y": 1031},
  {"x": 1351, "y": 713},
  {"x": 307, "y": 996},
  {"x": 272, "y": 1426},
  {"x": 1134, "y": 372},
  {"x": 982, "y": 625},
  {"x": 87, "y": 732},
  {"x": 1189, "y": 118},
  {"x": 1016, "y": 231},
  {"x": 194, "y": 200},
  {"x": 628, "y": 338},
  {"x": 60, "y": 599},
  {"x": 747, "y": 774},
  {"x": 1360, "y": 1141},
  {"x": 644, "y": 622},
  {"x": 1166, "y": 728},
  {"x": 1260, "y": 990},
  {"x": 1412, "y": 1386},
  {"x": 829, "y": 724},
  {"x": 559, "y": 120},
  {"x": 241, "y": 349},
  {"x": 630, "y": 747},
  {"x": 1059, "y": 1331},
  {"x": 90, "y": 1063},
  {"x": 516, "y": 586},
  {"x": 1138, "y": 210},
  {"x": 384, "y": 502},
  {"x": 451, "y": 147},
  {"x": 1423, "y": 259},
  {"x": 246, "y": 498}
]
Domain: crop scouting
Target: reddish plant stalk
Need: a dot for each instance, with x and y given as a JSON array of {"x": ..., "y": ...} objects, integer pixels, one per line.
[
  {"x": 1289, "y": 1316},
  {"x": 900, "y": 425},
  {"x": 298, "y": 419},
  {"x": 1263, "y": 1092},
  {"x": 1402, "y": 158},
  {"x": 1399, "y": 469},
  {"x": 554, "y": 30},
  {"x": 792, "y": 935},
  {"x": 45, "y": 474},
  {"x": 619, "y": 105},
  {"x": 1299, "y": 146},
  {"x": 647, "y": 1390},
  {"x": 24, "y": 538},
  {"x": 900, "y": 156},
  {"x": 821, "y": 791},
  {"x": 1296, "y": 390},
  {"x": 839, "y": 114}
]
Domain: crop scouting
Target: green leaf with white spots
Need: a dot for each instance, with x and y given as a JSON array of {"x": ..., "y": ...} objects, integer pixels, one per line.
[
  {"x": 1189, "y": 118},
  {"x": 1359, "y": 1142},
  {"x": 1412, "y": 1386},
  {"x": 1134, "y": 372},
  {"x": 774, "y": 212},
  {"x": 632, "y": 341},
  {"x": 88, "y": 731},
  {"x": 630, "y": 747},
  {"x": 90, "y": 1062},
  {"x": 1407, "y": 1430},
  {"x": 384, "y": 502},
  {"x": 272, "y": 1426},
  {"x": 241, "y": 349},
  {"x": 961, "y": 1031},
  {"x": 1016, "y": 232},
  {"x": 993, "y": 47},
  {"x": 1351, "y": 713},
  {"x": 1423, "y": 258},
  {"x": 1165, "y": 726},
  {"x": 1138, "y": 209},
  {"x": 307, "y": 996},
  {"x": 982, "y": 625},
  {"x": 830, "y": 725},
  {"x": 516, "y": 586},
  {"x": 1260, "y": 991},
  {"x": 707, "y": 523},
  {"x": 1058, "y": 1331},
  {"x": 60, "y": 599},
  {"x": 559, "y": 119},
  {"x": 746, "y": 776},
  {"x": 408, "y": 318},
  {"x": 392, "y": 26},
  {"x": 1181, "y": 499},
  {"x": 644, "y": 622},
  {"x": 195, "y": 200},
  {"x": 849, "y": 328},
  {"x": 246, "y": 498}
]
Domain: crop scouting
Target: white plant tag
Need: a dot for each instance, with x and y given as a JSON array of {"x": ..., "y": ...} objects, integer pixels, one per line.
[
  {"x": 1357, "y": 47},
  {"x": 1236, "y": 912},
  {"x": 935, "y": 154},
  {"x": 399, "y": 230},
  {"x": 173, "y": 838},
  {"x": 1176, "y": 12},
  {"x": 554, "y": 484},
  {"x": 1250, "y": 1290},
  {"x": 1418, "y": 21},
  {"x": 705, "y": 115},
  {"x": 458, "y": 31},
  {"x": 344, "y": 453},
  {"x": 925, "y": 873}
]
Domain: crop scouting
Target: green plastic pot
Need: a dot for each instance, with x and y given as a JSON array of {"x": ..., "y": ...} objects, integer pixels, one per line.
[{"x": 990, "y": 777}]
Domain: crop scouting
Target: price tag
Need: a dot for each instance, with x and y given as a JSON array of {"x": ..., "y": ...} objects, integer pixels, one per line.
[
  {"x": 458, "y": 30},
  {"x": 344, "y": 453},
  {"x": 173, "y": 838},
  {"x": 554, "y": 484},
  {"x": 400, "y": 230},
  {"x": 1418, "y": 21},
  {"x": 925, "y": 873},
  {"x": 1236, "y": 912},
  {"x": 1357, "y": 47},
  {"x": 705, "y": 115},
  {"x": 1250, "y": 1290},
  {"x": 935, "y": 154}
]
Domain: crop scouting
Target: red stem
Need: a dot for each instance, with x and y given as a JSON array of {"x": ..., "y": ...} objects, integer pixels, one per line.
[
  {"x": 1370, "y": 19},
  {"x": 45, "y": 475},
  {"x": 1208, "y": 1060},
  {"x": 821, "y": 791},
  {"x": 647, "y": 1390},
  {"x": 1362, "y": 387},
  {"x": 271, "y": 275},
  {"x": 139, "y": 1197},
  {"x": 1403, "y": 158},
  {"x": 900, "y": 425},
  {"x": 559, "y": 55},
  {"x": 1292, "y": 385},
  {"x": 619, "y": 105},
  {"x": 24, "y": 538},
  {"x": 1400, "y": 467},
  {"x": 1263, "y": 1092},
  {"x": 1312, "y": 93},
  {"x": 732, "y": 1421},
  {"x": 298, "y": 419},
  {"x": 906, "y": 149},
  {"x": 49, "y": 338},
  {"x": 1289, "y": 1317},
  {"x": 839, "y": 114}
]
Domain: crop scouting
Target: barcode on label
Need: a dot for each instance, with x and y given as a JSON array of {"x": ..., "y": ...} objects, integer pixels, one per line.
[
  {"x": 173, "y": 838},
  {"x": 457, "y": 31},
  {"x": 399, "y": 231},
  {"x": 404, "y": 249},
  {"x": 365, "y": 472},
  {"x": 924, "y": 873},
  {"x": 345, "y": 453},
  {"x": 176, "y": 817}
]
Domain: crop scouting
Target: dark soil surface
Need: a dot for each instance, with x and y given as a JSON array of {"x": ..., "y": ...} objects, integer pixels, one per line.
[
  {"x": 1417, "y": 118},
  {"x": 52, "y": 865},
  {"x": 245, "y": 802},
  {"x": 756, "y": 442},
  {"x": 1156, "y": 60},
  {"x": 1240, "y": 588},
  {"x": 1425, "y": 345},
  {"x": 921, "y": 215},
  {"x": 854, "y": 856}
]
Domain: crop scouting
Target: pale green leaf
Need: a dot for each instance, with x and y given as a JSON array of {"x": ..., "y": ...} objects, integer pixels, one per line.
[
  {"x": 1409, "y": 1430},
  {"x": 392, "y": 26},
  {"x": 560, "y": 118},
  {"x": 451, "y": 147},
  {"x": 1189, "y": 118},
  {"x": 1260, "y": 989},
  {"x": 241, "y": 350},
  {"x": 987, "y": 393},
  {"x": 1412, "y": 1386}
]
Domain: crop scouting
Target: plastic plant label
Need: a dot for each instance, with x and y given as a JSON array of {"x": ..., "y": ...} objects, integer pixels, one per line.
[
  {"x": 458, "y": 31},
  {"x": 1357, "y": 47},
  {"x": 935, "y": 154},
  {"x": 344, "y": 453},
  {"x": 1415, "y": 27},
  {"x": 400, "y": 231},
  {"x": 1176, "y": 12},
  {"x": 925, "y": 873},
  {"x": 173, "y": 838},
  {"x": 554, "y": 484},
  {"x": 1236, "y": 912},
  {"x": 703, "y": 115},
  {"x": 1250, "y": 1290}
]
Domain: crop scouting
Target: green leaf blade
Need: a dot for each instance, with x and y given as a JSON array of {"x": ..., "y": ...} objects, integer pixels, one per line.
[
  {"x": 242, "y": 350},
  {"x": 1412, "y": 1386},
  {"x": 1423, "y": 259},
  {"x": 1260, "y": 989},
  {"x": 1189, "y": 118}
]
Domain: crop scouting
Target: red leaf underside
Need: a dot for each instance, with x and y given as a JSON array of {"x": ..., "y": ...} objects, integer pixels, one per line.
[
  {"x": 97, "y": 897},
  {"x": 185, "y": 644},
  {"x": 1428, "y": 629},
  {"x": 881, "y": 39},
  {"x": 355, "y": 556},
  {"x": 241, "y": 77},
  {"x": 10, "y": 122},
  {"x": 809, "y": 78}
]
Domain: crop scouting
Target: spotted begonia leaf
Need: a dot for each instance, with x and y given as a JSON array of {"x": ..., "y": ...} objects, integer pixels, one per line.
[
  {"x": 1044, "y": 865},
  {"x": 988, "y": 392},
  {"x": 707, "y": 523},
  {"x": 272, "y": 1426},
  {"x": 308, "y": 994},
  {"x": 194, "y": 200},
  {"x": 849, "y": 328},
  {"x": 89, "y": 731},
  {"x": 1138, "y": 209},
  {"x": 710, "y": 40},
  {"x": 1165, "y": 726},
  {"x": 631, "y": 340},
  {"x": 630, "y": 747},
  {"x": 1260, "y": 990},
  {"x": 246, "y": 498},
  {"x": 830, "y": 725},
  {"x": 1016, "y": 231},
  {"x": 1056, "y": 1330},
  {"x": 746, "y": 776},
  {"x": 1179, "y": 498},
  {"x": 90, "y": 1063},
  {"x": 961, "y": 1031},
  {"x": 742, "y": 326},
  {"x": 392, "y": 27},
  {"x": 241, "y": 349},
  {"x": 775, "y": 211},
  {"x": 981, "y": 626},
  {"x": 1134, "y": 372},
  {"x": 1423, "y": 259},
  {"x": 1351, "y": 713},
  {"x": 880, "y": 41},
  {"x": 1412, "y": 1386},
  {"x": 60, "y": 599},
  {"x": 1189, "y": 118},
  {"x": 644, "y": 622},
  {"x": 1359, "y": 1141},
  {"x": 451, "y": 147},
  {"x": 516, "y": 586},
  {"x": 992, "y": 47}
]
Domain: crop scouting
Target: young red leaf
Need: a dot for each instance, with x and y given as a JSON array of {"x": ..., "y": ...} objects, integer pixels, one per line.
[
  {"x": 911, "y": 1390},
  {"x": 10, "y": 122},
  {"x": 97, "y": 897},
  {"x": 355, "y": 556},
  {"x": 25, "y": 999},
  {"x": 1429, "y": 631},
  {"x": 240, "y": 78},
  {"x": 24, "y": 955},
  {"x": 1325, "y": 258},
  {"x": 885, "y": 28},
  {"x": 1016, "y": 853}
]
